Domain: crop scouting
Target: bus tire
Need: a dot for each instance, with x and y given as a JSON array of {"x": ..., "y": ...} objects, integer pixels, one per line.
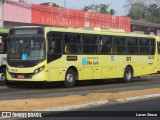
[
  {"x": 128, "y": 75},
  {"x": 2, "y": 77},
  {"x": 70, "y": 78}
]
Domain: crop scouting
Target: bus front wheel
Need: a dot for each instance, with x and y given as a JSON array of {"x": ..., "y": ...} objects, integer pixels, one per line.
[
  {"x": 128, "y": 75},
  {"x": 70, "y": 78}
]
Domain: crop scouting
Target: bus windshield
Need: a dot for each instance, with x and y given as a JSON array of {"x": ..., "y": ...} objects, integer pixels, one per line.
[{"x": 26, "y": 48}]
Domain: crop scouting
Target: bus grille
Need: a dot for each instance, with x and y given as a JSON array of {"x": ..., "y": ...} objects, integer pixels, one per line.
[
  {"x": 21, "y": 64},
  {"x": 26, "y": 75}
]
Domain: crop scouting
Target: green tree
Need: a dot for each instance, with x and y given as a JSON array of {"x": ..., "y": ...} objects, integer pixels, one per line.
[
  {"x": 153, "y": 13},
  {"x": 99, "y": 8},
  {"x": 143, "y": 10},
  {"x": 112, "y": 12},
  {"x": 50, "y": 4},
  {"x": 137, "y": 11}
]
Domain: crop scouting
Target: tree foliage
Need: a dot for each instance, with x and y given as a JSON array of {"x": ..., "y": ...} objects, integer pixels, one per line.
[
  {"x": 99, "y": 8},
  {"x": 137, "y": 11},
  {"x": 50, "y": 4},
  {"x": 143, "y": 10}
]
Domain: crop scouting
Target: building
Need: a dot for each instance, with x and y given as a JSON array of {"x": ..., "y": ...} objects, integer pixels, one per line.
[
  {"x": 26, "y": 14},
  {"x": 143, "y": 27},
  {"x": 21, "y": 13}
]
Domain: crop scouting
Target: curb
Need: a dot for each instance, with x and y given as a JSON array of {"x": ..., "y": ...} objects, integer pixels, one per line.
[
  {"x": 74, "y": 107},
  {"x": 151, "y": 76},
  {"x": 95, "y": 104},
  {"x": 137, "y": 98}
]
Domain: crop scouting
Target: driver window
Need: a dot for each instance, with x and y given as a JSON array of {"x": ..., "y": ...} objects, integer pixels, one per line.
[
  {"x": 54, "y": 45},
  {"x": 51, "y": 46},
  {"x": 54, "y": 42}
]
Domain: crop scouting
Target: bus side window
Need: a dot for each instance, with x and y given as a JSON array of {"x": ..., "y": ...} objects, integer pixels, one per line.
[
  {"x": 115, "y": 50},
  {"x": 79, "y": 43},
  {"x": 67, "y": 48},
  {"x": 72, "y": 43},
  {"x": 119, "y": 45},
  {"x": 105, "y": 45}
]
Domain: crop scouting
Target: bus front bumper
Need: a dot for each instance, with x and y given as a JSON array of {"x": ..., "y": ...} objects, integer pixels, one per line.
[{"x": 28, "y": 77}]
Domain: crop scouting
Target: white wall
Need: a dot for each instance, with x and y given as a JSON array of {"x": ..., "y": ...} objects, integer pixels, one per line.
[{"x": 1, "y": 13}]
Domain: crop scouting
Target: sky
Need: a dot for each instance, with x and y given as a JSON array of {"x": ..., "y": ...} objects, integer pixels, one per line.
[{"x": 117, "y": 5}]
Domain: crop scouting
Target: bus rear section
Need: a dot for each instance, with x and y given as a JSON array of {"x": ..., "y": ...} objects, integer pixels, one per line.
[
  {"x": 158, "y": 48},
  {"x": 3, "y": 55}
]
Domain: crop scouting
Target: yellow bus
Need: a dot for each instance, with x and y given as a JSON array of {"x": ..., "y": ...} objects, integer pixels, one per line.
[
  {"x": 39, "y": 54},
  {"x": 158, "y": 43}
]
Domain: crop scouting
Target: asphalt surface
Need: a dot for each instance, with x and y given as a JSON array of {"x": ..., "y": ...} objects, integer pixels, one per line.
[
  {"x": 22, "y": 91},
  {"x": 123, "y": 111}
]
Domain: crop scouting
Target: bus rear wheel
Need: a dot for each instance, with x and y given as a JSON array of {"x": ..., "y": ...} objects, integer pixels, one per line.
[
  {"x": 128, "y": 75},
  {"x": 70, "y": 78},
  {"x": 2, "y": 77}
]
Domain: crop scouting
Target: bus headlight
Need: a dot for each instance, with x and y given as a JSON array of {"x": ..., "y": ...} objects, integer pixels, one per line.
[
  {"x": 7, "y": 70},
  {"x": 39, "y": 70},
  {"x": 12, "y": 76}
]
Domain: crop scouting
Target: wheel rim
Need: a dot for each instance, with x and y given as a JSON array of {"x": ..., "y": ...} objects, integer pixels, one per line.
[
  {"x": 128, "y": 75},
  {"x": 69, "y": 78},
  {"x": 3, "y": 77}
]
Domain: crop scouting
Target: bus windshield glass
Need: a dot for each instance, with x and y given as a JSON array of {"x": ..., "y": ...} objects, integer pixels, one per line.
[{"x": 26, "y": 48}]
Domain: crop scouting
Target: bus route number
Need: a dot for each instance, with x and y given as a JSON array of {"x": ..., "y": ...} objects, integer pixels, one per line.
[{"x": 128, "y": 58}]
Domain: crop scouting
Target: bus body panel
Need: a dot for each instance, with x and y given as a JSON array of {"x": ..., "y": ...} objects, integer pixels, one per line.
[
  {"x": 159, "y": 63},
  {"x": 158, "y": 43},
  {"x": 91, "y": 67},
  {"x": 41, "y": 76},
  {"x": 105, "y": 68}
]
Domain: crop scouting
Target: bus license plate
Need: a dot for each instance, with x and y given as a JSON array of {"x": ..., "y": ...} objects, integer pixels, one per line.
[{"x": 21, "y": 76}]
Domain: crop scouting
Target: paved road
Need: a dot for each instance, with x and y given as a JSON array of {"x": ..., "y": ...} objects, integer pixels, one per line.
[
  {"x": 151, "y": 106},
  {"x": 127, "y": 111},
  {"x": 53, "y": 90}
]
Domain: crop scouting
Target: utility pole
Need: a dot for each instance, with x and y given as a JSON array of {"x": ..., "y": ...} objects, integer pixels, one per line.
[
  {"x": 64, "y": 3},
  {"x": 1, "y": 13}
]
